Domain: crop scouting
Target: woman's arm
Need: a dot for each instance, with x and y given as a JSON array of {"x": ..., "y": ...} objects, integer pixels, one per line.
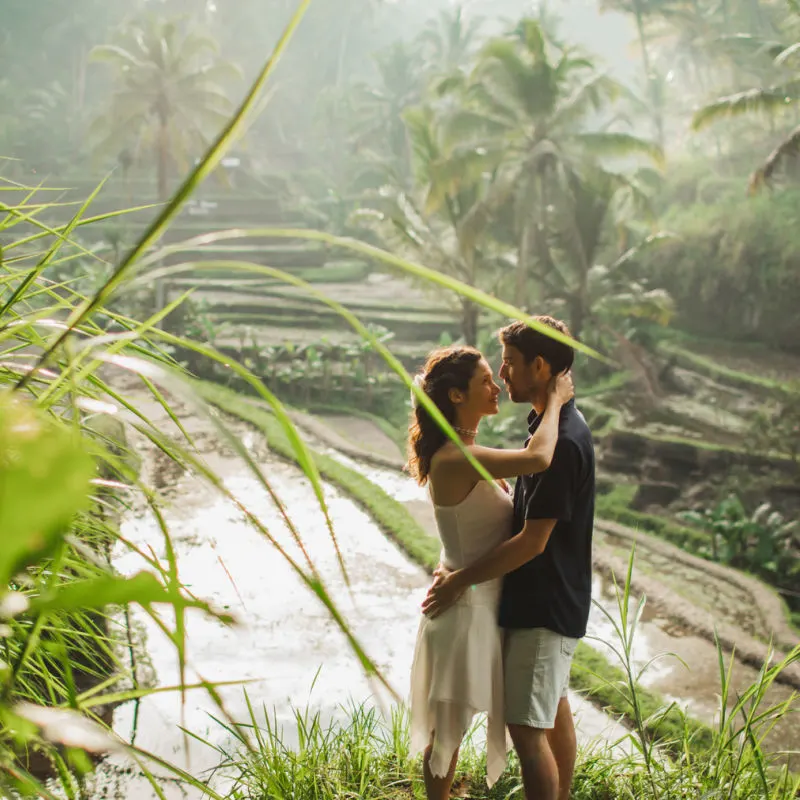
[{"x": 535, "y": 457}]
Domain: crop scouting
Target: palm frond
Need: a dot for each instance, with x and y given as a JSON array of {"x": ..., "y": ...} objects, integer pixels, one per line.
[
  {"x": 788, "y": 54},
  {"x": 621, "y": 145},
  {"x": 468, "y": 126},
  {"x": 530, "y": 33},
  {"x": 765, "y": 101},
  {"x": 787, "y": 150},
  {"x": 593, "y": 95},
  {"x": 115, "y": 55},
  {"x": 505, "y": 70}
]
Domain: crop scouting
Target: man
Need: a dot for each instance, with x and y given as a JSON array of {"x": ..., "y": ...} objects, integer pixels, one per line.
[{"x": 547, "y": 562}]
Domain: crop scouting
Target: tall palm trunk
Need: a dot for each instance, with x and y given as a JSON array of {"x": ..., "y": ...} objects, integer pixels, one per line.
[
  {"x": 579, "y": 306},
  {"x": 523, "y": 261},
  {"x": 469, "y": 322},
  {"x": 163, "y": 160}
]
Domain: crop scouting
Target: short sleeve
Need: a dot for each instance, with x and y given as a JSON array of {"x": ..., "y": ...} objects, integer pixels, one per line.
[{"x": 555, "y": 491}]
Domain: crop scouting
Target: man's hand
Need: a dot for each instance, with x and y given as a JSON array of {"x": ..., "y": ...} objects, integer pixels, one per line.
[{"x": 444, "y": 592}]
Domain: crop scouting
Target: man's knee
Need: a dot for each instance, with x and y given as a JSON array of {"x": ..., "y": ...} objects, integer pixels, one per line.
[{"x": 528, "y": 741}]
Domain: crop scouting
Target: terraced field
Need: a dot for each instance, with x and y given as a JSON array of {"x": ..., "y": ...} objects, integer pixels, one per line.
[{"x": 262, "y": 310}]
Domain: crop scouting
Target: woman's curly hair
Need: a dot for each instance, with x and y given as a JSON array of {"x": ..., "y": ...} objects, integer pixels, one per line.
[{"x": 446, "y": 368}]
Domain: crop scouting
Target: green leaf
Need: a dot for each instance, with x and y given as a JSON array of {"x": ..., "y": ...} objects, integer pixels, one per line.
[
  {"x": 766, "y": 101},
  {"x": 44, "y": 480},
  {"x": 143, "y": 588}
]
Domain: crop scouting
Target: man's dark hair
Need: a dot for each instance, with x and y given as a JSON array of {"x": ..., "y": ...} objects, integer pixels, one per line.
[{"x": 532, "y": 343}]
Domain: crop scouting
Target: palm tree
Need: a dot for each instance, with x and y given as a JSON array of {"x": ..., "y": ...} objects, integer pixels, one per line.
[
  {"x": 681, "y": 16},
  {"x": 444, "y": 219},
  {"x": 379, "y": 129},
  {"x": 168, "y": 98},
  {"x": 533, "y": 106},
  {"x": 594, "y": 242},
  {"x": 774, "y": 101},
  {"x": 448, "y": 41}
]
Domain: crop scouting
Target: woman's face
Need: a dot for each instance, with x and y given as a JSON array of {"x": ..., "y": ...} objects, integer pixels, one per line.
[{"x": 483, "y": 393}]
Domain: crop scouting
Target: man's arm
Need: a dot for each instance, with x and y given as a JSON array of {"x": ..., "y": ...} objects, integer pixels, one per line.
[
  {"x": 551, "y": 502},
  {"x": 520, "y": 549}
]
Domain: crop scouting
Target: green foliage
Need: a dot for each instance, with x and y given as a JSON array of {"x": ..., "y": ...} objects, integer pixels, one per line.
[
  {"x": 774, "y": 100},
  {"x": 614, "y": 506},
  {"x": 777, "y": 429},
  {"x": 57, "y": 651},
  {"x": 319, "y": 373},
  {"x": 731, "y": 268},
  {"x": 763, "y": 541},
  {"x": 45, "y": 480},
  {"x": 366, "y": 756}
]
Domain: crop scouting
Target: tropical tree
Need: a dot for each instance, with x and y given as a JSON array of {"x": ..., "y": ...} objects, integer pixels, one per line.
[
  {"x": 379, "y": 131},
  {"x": 448, "y": 41},
  {"x": 534, "y": 106},
  {"x": 444, "y": 220},
  {"x": 778, "y": 102},
  {"x": 594, "y": 240},
  {"x": 168, "y": 99}
]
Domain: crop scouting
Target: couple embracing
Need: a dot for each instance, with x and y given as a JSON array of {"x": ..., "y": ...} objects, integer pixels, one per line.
[{"x": 512, "y": 594}]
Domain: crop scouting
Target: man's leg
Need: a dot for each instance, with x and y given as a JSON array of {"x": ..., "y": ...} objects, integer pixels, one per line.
[
  {"x": 539, "y": 768},
  {"x": 536, "y": 667},
  {"x": 564, "y": 746}
]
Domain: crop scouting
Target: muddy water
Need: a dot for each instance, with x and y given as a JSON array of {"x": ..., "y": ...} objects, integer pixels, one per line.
[{"x": 286, "y": 645}]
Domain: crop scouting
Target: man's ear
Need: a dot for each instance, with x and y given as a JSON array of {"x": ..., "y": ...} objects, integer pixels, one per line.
[{"x": 543, "y": 369}]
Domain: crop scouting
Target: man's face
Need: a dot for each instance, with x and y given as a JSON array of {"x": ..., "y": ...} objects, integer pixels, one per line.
[{"x": 523, "y": 380}]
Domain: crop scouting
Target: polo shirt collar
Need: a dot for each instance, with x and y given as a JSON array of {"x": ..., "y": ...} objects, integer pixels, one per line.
[{"x": 534, "y": 419}]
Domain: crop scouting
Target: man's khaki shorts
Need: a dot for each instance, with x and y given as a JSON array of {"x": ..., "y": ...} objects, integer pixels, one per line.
[{"x": 536, "y": 663}]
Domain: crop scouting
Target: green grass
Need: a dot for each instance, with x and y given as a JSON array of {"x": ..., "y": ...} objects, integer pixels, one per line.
[
  {"x": 600, "y": 681},
  {"x": 361, "y": 756},
  {"x": 332, "y": 272},
  {"x": 615, "y": 507},
  {"x": 712, "y": 368},
  {"x": 397, "y": 434}
]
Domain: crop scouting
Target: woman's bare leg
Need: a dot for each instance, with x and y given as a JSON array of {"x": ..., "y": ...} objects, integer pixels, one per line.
[{"x": 437, "y": 788}]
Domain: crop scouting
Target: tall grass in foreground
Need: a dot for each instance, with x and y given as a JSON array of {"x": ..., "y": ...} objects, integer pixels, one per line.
[{"x": 360, "y": 754}]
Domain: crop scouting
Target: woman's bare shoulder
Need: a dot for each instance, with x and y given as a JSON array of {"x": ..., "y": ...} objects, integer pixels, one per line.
[{"x": 447, "y": 455}]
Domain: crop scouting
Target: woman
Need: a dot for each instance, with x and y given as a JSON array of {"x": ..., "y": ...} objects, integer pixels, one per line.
[{"x": 457, "y": 670}]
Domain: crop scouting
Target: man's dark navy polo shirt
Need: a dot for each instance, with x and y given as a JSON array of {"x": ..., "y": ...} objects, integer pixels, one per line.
[{"x": 554, "y": 590}]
